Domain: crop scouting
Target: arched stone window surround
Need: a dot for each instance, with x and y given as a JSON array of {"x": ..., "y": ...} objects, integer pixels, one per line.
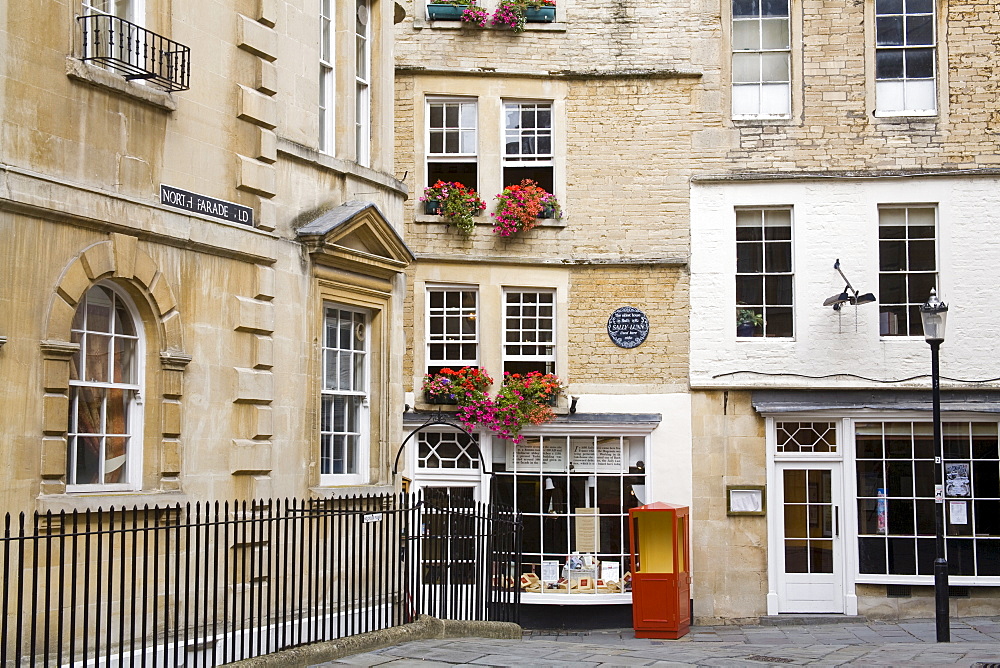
[{"x": 119, "y": 261}]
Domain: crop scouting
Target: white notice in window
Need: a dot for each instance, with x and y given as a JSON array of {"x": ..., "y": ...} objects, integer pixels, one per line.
[
  {"x": 608, "y": 457},
  {"x": 958, "y": 512}
]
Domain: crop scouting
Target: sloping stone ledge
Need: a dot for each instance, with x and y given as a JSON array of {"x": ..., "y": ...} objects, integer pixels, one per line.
[{"x": 424, "y": 628}]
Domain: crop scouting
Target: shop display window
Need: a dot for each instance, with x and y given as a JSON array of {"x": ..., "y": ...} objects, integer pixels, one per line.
[
  {"x": 574, "y": 493},
  {"x": 895, "y": 489}
]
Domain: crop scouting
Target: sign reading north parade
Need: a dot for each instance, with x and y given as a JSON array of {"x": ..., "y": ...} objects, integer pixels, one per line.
[
  {"x": 207, "y": 206},
  {"x": 628, "y": 327}
]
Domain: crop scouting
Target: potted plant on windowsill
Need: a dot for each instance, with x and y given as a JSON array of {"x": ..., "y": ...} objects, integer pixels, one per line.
[
  {"x": 456, "y": 203},
  {"x": 448, "y": 10},
  {"x": 747, "y": 322},
  {"x": 456, "y": 386},
  {"x": 520, "y": 206}
]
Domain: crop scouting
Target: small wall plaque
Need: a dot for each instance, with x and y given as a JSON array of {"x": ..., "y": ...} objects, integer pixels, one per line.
[
  {"x": 628, "y": 327},
  {"x": 745, "y": 500}
]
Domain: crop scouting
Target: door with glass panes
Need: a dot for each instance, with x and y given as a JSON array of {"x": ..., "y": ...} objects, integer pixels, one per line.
[{"x": 808, "y": 537}]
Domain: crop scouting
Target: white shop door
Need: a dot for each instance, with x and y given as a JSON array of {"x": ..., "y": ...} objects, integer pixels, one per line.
[{"x": 809, "y": 541}]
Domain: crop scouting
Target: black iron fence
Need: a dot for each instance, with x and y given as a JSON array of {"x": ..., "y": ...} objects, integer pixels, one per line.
[
  {"x": 134, "y": 51},
  {"x": 207, "y": 584}
]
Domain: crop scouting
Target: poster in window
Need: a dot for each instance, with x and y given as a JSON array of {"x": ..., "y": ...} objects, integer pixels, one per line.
[
  {"x": 956, "y": 480},
  {"x": 958, "y": 512},
  {"x": 586, "y": 529}
]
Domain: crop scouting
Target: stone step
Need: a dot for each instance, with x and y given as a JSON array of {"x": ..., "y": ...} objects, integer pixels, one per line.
[{"x": 810, "y": 619}]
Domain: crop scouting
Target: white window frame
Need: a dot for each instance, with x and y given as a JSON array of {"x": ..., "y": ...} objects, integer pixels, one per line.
[
  {"x": 362, "y": 78},
  {"x": 134, "y": 412},
  {"x": 133, "y": 11},
  {"x": 906, "y": 88},
  {"x": 550, "y": 358},
  {"x": 447, "y": 312},
  {"x": 327, "y": 76},
  {"x": 362, "y": 424},
  {"x": 917, "y": 300},
  {"x": 748, "y": 94},
  {"x": 537, "y": 158},
  {"x": 764, "y": 307},
  {"x": 463, "y": 128}
]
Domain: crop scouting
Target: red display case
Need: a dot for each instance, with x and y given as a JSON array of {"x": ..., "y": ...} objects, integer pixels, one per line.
[{"x": 659, "y": 539}]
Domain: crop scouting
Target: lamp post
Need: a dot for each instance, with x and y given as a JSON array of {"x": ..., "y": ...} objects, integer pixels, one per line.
[{"x": 933, "y": 314}]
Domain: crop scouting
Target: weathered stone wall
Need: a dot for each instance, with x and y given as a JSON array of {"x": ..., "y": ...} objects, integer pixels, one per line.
[
  {"x": 834, "y": 126},
  {"x": 660, "y": 363},
  {"x": 232, "y": 315},
  {"x": 729, "y": 553}
]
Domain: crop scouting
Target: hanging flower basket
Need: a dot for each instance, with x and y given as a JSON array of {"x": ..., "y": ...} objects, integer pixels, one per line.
[{"x": 521, "y": 400}]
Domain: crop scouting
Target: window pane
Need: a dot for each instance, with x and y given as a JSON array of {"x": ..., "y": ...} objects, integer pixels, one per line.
[
  {"x": 746, "y": 7},
  {"x": 774, "y": 67},
  {"x": 774, "y": 34},
  {"x": 919, "y": 30},
  {"x": 919, "y": 63},
  {"x": 749, "y": 258},
  {"x": 746, "y": 35},
  {"x": 746, "y": 100},
  {"x": 889, "y": 64},
  {"x": 746, "y": 67},
  {"x": 889, "y": 30}
]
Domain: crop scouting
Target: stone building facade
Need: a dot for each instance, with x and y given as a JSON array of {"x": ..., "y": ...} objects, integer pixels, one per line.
[
  {"x": 622, "y": 99},
  {"x": 184, "y": 240},
  {"x": 860, "y": 136}
]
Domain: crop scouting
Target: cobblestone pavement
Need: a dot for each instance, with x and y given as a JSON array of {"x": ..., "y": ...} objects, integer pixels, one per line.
[{"x": 974, "y": 641}]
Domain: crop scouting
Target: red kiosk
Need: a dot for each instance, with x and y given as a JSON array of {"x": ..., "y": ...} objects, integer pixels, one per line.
[{"x": 659, "y": 536}]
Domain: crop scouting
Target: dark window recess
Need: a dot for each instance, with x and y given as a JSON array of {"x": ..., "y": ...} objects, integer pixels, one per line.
[
  {"x": 465, "y": 173},
  {"x": 540, "y": 175},
  {"x": 137, "y": 53},
  {"x": 897, "y": 591}
]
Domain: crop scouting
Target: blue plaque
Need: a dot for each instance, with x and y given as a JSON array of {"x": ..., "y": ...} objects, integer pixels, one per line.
[{"x": 628, "y": 327}]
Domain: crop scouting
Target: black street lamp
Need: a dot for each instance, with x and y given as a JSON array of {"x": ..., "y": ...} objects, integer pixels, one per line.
[{"x": 933, "y": 315}]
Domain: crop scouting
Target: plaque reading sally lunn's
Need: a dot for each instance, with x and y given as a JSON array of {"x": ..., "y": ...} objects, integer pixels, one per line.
[{"x": 628, "y": 327}]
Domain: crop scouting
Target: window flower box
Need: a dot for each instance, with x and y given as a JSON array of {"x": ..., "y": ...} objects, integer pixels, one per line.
[
  {"x": 439, "y": 400},
  {"x": 454, "y": 202},
  {"x": 445, "y": 12},
  {"x": 540, "y": 15}
]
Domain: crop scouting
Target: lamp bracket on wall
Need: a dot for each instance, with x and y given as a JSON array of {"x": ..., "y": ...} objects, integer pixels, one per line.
[{"x": 849, "y": 295}]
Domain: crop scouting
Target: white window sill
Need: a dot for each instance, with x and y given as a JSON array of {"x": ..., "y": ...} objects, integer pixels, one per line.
[
  {"x": 761, "y": 119},
  {"x": 905, "y": 115},
  {"x": 78, "y": 70}
]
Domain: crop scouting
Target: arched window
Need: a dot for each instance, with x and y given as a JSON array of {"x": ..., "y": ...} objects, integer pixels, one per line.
[{"x": 105, "y": 412}]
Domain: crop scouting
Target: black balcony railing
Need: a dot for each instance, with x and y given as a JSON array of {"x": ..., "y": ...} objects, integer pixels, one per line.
[
  {"x": 137, "y": 53},
  {"x": 208, "y": 584}
]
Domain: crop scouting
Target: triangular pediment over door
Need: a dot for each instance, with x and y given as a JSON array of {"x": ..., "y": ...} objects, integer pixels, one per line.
[{"x": 356, "y": 237}]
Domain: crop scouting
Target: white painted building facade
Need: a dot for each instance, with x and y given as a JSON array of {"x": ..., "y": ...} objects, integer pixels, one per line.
[{"x": 841, "y": 397}]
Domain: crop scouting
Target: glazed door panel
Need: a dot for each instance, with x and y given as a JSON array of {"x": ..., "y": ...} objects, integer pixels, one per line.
[{"x": 809, "y": 544}]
